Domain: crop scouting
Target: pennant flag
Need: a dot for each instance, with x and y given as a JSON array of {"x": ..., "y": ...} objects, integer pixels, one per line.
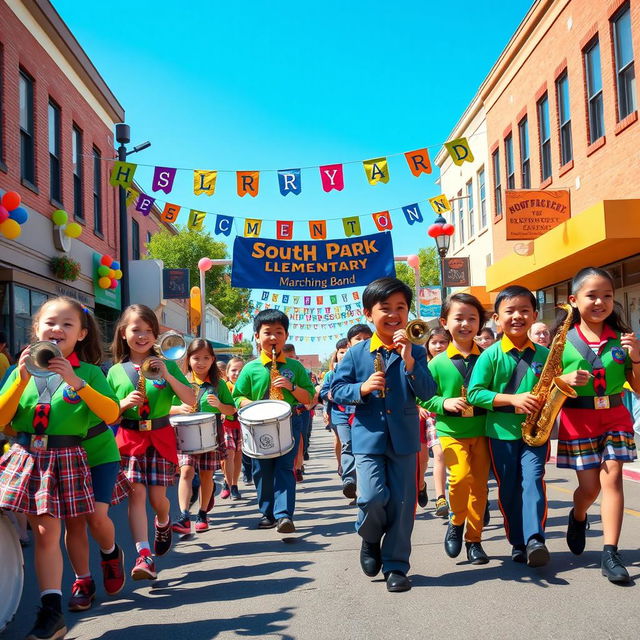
[
  {"x": 351, "y": 226},
  {"x": 285, "y": 298},
  {"x": 252, "y": 228},
  {"x": 459, "y": 151},
  {"x": 296, "y": 299},
  {"x": 248, "y": 182},
  {"x": 440, "y": 204},
  {"x": 132, "y": 195},
  {"x": 333, "y": 299},
  {"x": 274, "y": 297},
  {"x": 284, "y": 230},
  {"x": 318, "y": 229},
  {"x": 196, "y": 220},
  {"x": 344, "y": 297},
  {"x": 318, "y": 299},
  {"x": 332, "y": 177},
  {"x": 327, "y": 309},
  {"x": 418, "y": 161},
  {"x": 348, "y": 307},
  {"x": 170, "y": 212},
  {"x": 290, "y": 181},
  {"x": 224, "y": 225},
  {"x": 412, "y": 213},
  {"x": 144, "y": 204},
  {"x": 237, "y": 338},
  {"x": 356, "y": 295},
  {"x": 265, "y": 295},
  {"x": 204, "y": 182},
  {"x": 376, "y": 170},
  {"x": 307, "y": 299},
  {"x": 382, "y": 220},
  {"x": 122, "y": 174},
  {"x": 163, "y": 178}
]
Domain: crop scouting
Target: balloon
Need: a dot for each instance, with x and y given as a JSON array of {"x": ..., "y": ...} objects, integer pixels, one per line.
[
  {"x": 10, "y": 229},
  {"x": 106, "y": 260},
  {"x": 115, "y": 265},
  {"x": 73, "y": 230},
  {"x": 434, "y": 230},
  {"x": 204, "y": 264},
  {"x": 104, "y": 283},
  {"x": 113, "y": 284},
  {"x": 11, "y": 200},
  {"x": 59, "y": 217},
  {"x": 448, "y": 229},
  {"x": 19, "y": 214},
  {"x": 413, "y": 261},
  {"x": 118, "y": 274},
  {"x": 4, "y": 214},
  {"x": 103, "y": 271}
]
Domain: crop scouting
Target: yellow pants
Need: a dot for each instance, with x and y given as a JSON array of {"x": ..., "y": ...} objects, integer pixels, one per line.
[{"x": 468, "y": 462}]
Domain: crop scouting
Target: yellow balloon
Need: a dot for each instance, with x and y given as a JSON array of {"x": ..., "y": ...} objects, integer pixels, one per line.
[
  {"x": 118, "y": 274},
  {"x": 10, "y": 229},
  {"x": 104, "y": 282},
  {"x": 112, "y": 273},
  {"x": 73, "y": 230}
]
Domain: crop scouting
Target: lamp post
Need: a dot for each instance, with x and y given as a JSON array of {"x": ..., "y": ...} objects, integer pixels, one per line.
[
  {"x": 441, "y": 231},
  {"x": 123, "y": 136}
]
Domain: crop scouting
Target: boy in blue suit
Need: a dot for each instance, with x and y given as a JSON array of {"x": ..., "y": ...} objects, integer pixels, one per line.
[{"x": 385, "y": 435}]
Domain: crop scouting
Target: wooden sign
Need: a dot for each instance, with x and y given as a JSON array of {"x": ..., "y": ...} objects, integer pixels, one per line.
[
  {"x": 456, "y": 272},
  {"x": 529, "y": 214}
]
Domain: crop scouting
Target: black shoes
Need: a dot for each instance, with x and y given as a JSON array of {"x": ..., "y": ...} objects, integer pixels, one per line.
[
  {"x": 49, "y": 625},
  {"x": 285, "y": 525},
  {"x": 576, "y": 531},
  {"x": 537, "y": 553},
  {"x": 476, "y": 554},
  {"x": 349, "y": 490},
  {"x": 370, "y": 558},
  {"x": 397, "y": 582},
  {"x": 519, "y": 553},
  {"x": 423, "y": 499},
  {"x": 162, "y": 539},
  {"x": 612, "y": 567},
  {"x": 266, "y": 523},
  {"x": 453, "y": 540}
]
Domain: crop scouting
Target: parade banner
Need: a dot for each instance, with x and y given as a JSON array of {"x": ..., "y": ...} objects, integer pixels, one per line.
[
  {"x": 456, "y": 272},
  {"x": 312, "y": 265},
  {"x": 529, "y": 214}
]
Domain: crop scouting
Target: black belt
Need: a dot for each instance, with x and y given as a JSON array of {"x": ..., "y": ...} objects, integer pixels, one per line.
[
  {"x": 145, "y": 425},
  {"x": 52, "y": 442},
  {"x": 477, "y": 411},
  {"x": 594, "y": 402},
  {"x": 96, "y": 430},
  {"x": 504, "y": 409}
]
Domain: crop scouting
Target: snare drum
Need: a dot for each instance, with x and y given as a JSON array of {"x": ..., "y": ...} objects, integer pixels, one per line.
[
  {"x": 12, "y": 574},
  {"x": 266, "y": 429},
  {"x": 195, "y": 432}
]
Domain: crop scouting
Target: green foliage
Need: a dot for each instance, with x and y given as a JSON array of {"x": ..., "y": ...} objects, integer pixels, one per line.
[
  {"x": 247, "y": 348},
  {"x": 429, "y": 269},
  {"x": 65, "y": 268},
  {"x": 182, "y": 251}
]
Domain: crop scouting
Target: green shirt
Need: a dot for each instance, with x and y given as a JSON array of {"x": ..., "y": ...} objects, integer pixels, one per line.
[
  {"x": 159, "y": 392},
  {"x": 101, "y": 449},
  {"x": 255, "y": 378},
  {"x": 490, "y": 376},
  {"x": 223, "y": 394},
  {"x": 449, "y": 385},
  {"x": 69, "y": 415}
]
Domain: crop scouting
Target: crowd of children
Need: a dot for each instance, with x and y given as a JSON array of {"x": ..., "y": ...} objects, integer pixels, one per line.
[{"x": 390, "y": 404}]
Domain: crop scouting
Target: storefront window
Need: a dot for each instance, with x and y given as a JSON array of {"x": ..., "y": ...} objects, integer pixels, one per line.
[{"x": 26, "y": 303}]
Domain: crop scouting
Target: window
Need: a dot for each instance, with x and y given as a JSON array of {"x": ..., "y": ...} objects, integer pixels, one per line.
[
  {"x": 97, "y": 191},
  {"x": 460, "y": 202},
  {"x": 26, "y": 303},
  {"x": 508, "y": 153},
  {"x": 525, "y": 160},
  {"x": 76, "y": 146},
  {"x": 27, "y": 155},
  {"x": 545, "y": 138},
  {"x": 625, "y": 73},
  {"x": 482, "y": 194},
  {"x": 564, "y": 118},
  {"x": 595, "y": 103},
  {"x": 135, "y": 240},
  {"x": 55, "y": 192},
  {"x": 149, "y": 234},
  {"x": 472, "y": 222},
  {"x": 497, "y": 187}
]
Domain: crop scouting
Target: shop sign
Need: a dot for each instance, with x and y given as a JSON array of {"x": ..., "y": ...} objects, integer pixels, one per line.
[
  {"x": 107, "y": 297},
  {"x": 456, "y": 272},
  {"x": 175, "y": 284},
  {"x": 530, "y": 214},
  {"x": 430, "y": 301}
]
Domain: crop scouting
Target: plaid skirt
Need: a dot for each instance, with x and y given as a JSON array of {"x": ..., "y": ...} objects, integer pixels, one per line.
[
  {"x": 56, "y": 482},
  {"x": 589, "y": 453},
  {"x": 208, "y": 461},
  {"x": 121, "y": 489},
  {"x": 151, "y": 469},
  {"x": 233, "y": 439}
]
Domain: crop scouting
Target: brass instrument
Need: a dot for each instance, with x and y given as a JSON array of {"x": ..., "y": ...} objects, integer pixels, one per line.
[
  {"x": 537, "y": 427},
  {"x": 378, "y": 365},
  {"x": 40, "y": 353},
  {"x": 275, "y": 393},
  {"x": 196, "y": 391},
  {"x": 170, "y": 346},
  {"x": 417, "y": 331},
  {"x": 467, "y": 412}
]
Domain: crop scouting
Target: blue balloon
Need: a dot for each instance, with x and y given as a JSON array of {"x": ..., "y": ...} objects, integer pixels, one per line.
[
  {"x": 115, "y": 265},
  {"x": 19, "y": 214}
]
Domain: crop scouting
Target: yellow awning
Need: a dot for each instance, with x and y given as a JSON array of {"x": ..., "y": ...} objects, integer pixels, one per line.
[
  {"x": 606, "y": 232},
  {"x": 487, "y": 298}
]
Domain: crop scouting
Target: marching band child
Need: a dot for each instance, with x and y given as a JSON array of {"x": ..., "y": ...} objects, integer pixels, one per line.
[
  {"x": 233, "y": 369},
  {"x": 485, "y": 338},
  {"x": 212, "y": 396},
  {"x": 145, "y": 438},
  {"x": 596, "y": 431},
  {"x": 461, "y": 427},
  {"x": 232, "y": 464},
  {"x": 45, "y": 474}
]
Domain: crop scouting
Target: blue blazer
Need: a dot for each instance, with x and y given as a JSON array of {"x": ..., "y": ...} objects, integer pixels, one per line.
[{"x": 392, "y": 418}]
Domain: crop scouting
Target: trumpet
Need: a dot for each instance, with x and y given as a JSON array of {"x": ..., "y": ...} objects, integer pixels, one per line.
[
  {"x": 417, "y": 331},
  {"x": 169, "y": 346},
  {"x": 40, "y": 353}
]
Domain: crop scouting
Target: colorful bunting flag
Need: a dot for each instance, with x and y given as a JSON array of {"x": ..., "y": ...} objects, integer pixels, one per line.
[
  {"x": 122, "y": 174},
  {"x": 418, "y": 161},
  {"x": 247, "y": 182},
  {"x": 382, "y": 220},
  {"x": 332, "y": 177},
  {"x": 224, "y": 224},
  {"x": 144, "y": 204},
  {"x": 284, "y": 230},
  {"x": 163, "y": 178},
  {"x": 265, "y": 295},
  {"x": 132, "y": 196},
  {"x": 351, "y": 226},
  {"x": 170, "y": 212},
  {"x": 204, "y": 182},
  {"x": 440, "y": 204},
  {"x": 307, "y": 300},
  {"x": 318, "y": 229},
  {"x": 412, "y": 213},
  {"x": 289, "y": 181},
  {"x": 376, "y": 170},
  {"x": 459, "y": 151},
  {"x": 252, "y": 228},
  {"x": 196, "y": 220}
]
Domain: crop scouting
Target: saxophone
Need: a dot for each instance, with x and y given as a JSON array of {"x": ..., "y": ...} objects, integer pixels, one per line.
[
  {"x": 275, "y": 393},
  {"x": 537, "y": 427},
  {"x": 196, "y": 390},
  {"x": 378, "y": 365}
]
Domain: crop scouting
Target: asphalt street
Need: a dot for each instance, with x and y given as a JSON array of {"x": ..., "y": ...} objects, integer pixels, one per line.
[{"x": 235, "y": 581}]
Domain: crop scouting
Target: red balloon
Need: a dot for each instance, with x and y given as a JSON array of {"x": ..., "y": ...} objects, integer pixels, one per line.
[
  {"x": 114, "y": 283},
  {"x": 106, "y": 261},
  {"x": 434, "y": 230},
  {"x": 11, "y": 200},
  {"x": 448, "y": 229},
  {"x": 4, "y": 214}
]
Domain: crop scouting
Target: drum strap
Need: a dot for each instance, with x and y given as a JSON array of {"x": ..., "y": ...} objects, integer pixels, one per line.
[{"x": 46, "y": 389}]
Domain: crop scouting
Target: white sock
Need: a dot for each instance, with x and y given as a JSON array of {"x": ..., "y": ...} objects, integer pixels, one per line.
[
  {"x": 143, "y": 545},
  {"x": 108, "y": 551},
  {"x": 46, "y": 592},
  {"x": 86, "y": 575}
]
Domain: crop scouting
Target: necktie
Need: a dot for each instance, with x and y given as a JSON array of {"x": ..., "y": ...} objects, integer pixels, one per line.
[{"x": 599, "y": 381}]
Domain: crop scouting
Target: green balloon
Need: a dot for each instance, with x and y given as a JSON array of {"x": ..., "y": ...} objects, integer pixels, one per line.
[
  {"x": 60, "y": 217},
  {"x": 103, "y": 271}
]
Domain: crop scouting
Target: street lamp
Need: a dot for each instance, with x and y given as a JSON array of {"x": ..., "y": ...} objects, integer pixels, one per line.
[
  {"x": 441, "y": 231},
  {"x": 123, "y": 136}
]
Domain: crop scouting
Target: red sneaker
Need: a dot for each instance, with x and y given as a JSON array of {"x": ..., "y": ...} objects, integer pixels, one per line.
[
  {"x": 202, "y": 524},
  {"x": 113, "y": 574},
  {"x": 83, "y": 593},
  {"x": 226, "y": 492},
  {"x": 182, "y": 526},
  {"x": 145, "y": 568}
]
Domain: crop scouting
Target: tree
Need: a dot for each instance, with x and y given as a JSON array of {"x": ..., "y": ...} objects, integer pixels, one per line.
[
  {"x": 247, "y": 348},
  {"x": 429, "y": 269},
  {"x": 182, "y": 251}
]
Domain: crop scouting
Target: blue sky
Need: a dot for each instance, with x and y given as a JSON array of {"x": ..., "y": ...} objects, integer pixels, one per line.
[{"x": 257, "y": 85}]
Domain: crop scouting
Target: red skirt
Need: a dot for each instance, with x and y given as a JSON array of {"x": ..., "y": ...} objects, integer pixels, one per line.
[
  {"x": 121, "y": 489},
  {"x": 150, "y": 469}
]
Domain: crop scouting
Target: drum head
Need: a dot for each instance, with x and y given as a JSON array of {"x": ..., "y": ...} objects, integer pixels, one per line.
[
  {"x": 264, "y": 411},
  {"x": 12, "y": 574},
  {"x": 192, "y": 418}
]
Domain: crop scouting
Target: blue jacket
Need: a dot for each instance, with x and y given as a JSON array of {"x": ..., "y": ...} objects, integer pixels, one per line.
[{"x": 394, "y": 417}]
